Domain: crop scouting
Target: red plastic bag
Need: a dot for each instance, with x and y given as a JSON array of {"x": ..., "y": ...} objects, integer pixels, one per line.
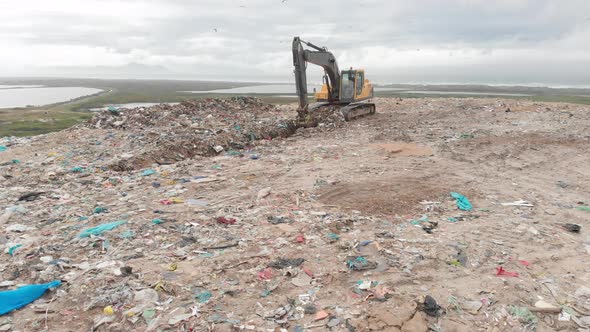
[
  {"x": 225, "y": 221},
  {"x": 525, "y": 263},
  {"x": 501, "y": 272},
  {"x": 300, "y": 238},
  {"x": 307, "y": 271},
  {"x": 265, "y": 274}
]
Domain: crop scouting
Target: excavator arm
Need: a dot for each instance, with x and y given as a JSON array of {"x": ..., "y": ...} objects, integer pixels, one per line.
[{"x": 321, "y": 57}]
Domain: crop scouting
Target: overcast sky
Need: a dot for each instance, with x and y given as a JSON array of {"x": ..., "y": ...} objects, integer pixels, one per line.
[{"x": 456, "y": 41}]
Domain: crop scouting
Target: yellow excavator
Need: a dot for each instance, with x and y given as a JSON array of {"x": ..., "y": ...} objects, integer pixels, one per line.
[{"x": 347, "y": 91}]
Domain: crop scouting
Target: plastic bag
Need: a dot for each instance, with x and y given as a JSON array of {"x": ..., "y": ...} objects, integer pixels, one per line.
[
  {"x": 462, "y": 202},
  {"x": 20, "y": 297},
  {"x": 501, "y": 272},
  {"x": 98, "y": 230}
]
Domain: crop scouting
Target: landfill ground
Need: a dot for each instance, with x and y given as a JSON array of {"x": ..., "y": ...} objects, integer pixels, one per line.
[{"x": 233, "y": 220}]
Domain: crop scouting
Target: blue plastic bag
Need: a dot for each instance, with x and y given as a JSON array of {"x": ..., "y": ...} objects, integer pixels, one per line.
[
  {"x": 12, "y": 249},
  {"x": 462, "y": 202},
  {"x": 98, "y": 230},
  {"x": 3, "y": 148},
  {"x": 77, "y": 169},
  {"x": 148, "y": 172},
  {"x": 20, "y": 297}
]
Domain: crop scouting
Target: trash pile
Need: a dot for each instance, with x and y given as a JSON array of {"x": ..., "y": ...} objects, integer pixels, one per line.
[
  {"x": 206, "y": 127},
  {"x": 122, "y": 224},
  {"x": 324, "y": 117}
]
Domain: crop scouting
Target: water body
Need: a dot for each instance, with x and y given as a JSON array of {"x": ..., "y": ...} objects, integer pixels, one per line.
[
  {"x": 262, "y": 89},
  {"x": 23, "y": 97},
  {"x": 389, "y": 89},
  {"x": 288, "y": 90},
  {"x": 281, "y": 89},
  {"x": 19, "y": 86},
  {"x": 485, "y": 93}
]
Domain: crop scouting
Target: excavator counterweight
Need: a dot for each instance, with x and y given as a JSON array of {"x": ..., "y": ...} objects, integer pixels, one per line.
[{"x": 348, "y": 91}]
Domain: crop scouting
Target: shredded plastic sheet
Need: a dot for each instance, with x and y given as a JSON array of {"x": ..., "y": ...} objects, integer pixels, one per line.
[
  {"x": 98, "y": 230},
  {"x": 20, "y": 297},
  {"x": 523, "y": 314},
  {"x": 462, "y": 202}
]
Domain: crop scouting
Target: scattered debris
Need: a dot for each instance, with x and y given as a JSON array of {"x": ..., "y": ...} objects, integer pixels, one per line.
[
  {"x": 471, "y": 306},
  {"x": 544, "y": 305},
  {"x": 321, "y": 315},
  {"x": 524, "y": 315},
  {"x": 430, "y": 307},
  {"x": 286, "y": 262},
  {"x": 518, "y": 203},
  {"x": 301, "y": 280},
  {"x": 360, "y": 263},
  {"x": 226, "y": 221},
  {"x": 263, "y": 193},
  {"x": 574, "y": 228},
  {"x": 29, "y": 197}
]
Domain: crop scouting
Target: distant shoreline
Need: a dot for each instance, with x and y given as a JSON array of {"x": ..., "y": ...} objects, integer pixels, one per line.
[
  {"x": 58, "y": 116},
  {"x": 22, "y": 80},
  {"x": 202, "y": 89}
]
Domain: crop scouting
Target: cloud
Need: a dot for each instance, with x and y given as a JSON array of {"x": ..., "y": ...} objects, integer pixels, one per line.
[{"x": 395, "y": 40}]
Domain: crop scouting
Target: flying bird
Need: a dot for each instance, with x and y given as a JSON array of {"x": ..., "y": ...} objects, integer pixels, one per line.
[{"x": 215, "y": 29}]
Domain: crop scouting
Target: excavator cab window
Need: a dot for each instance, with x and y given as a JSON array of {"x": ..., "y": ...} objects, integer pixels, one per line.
[
  {"x": 359, "y": 82},
  {"x": 347, "y": 86}
]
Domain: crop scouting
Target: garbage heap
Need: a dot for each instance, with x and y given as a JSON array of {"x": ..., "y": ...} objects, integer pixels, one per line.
[{"x": 164, "y": 134}]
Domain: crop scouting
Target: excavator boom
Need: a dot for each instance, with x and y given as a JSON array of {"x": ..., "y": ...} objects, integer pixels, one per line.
[{"x": 321, "y": 57}]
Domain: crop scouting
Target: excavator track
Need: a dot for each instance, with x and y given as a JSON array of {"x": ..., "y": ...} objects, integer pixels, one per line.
[
  {"x": 320, "y": 112},
  {"x": 349, "y": 111},
  {"x": 357, "y": 110}
]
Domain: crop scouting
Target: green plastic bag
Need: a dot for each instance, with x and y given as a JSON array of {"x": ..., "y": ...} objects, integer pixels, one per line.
[
  {"x": 98, "y": 230},
  {"x": 462, "y": 202}
]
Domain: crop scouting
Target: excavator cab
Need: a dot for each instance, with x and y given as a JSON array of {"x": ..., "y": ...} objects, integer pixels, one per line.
[{"x": 354, "y": 87}]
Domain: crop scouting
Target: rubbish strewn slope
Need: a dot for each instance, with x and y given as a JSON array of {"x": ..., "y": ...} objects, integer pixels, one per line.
[{"x": 345, "y": 227}]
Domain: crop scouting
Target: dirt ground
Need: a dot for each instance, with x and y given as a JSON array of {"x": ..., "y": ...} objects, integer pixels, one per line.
[{"x": 366, "y": 205}]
